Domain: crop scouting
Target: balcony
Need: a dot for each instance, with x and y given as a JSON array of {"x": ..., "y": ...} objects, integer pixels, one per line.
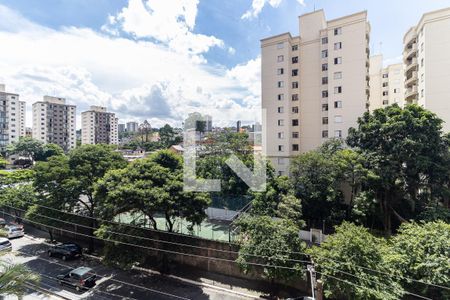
[
  {"x": 410, "y": 64},
  {"x": 411, "y": 80},
  {"x": 411, "y": 94},
  {"x": 410, "y": 51}
]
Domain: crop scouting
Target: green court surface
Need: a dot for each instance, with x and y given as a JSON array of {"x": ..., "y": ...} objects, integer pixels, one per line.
[{"x": 212, "y": 230}]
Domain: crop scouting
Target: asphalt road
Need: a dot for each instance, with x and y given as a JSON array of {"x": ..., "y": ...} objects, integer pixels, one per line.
[{"x": 112, "y": 283}]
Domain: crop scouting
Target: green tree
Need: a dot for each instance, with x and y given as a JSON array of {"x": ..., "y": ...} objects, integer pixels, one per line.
[
  {"x": 14, "y": 277},
  {"x": 168, "y": 137},
  {"x": 151, "y": 186},
  {"x": 48, "y": 151},
  {"x": 3, "y": 162},
  {"x": 26, "y": 146},
  {"x": 421, "y": 252},
  {"x": 270, "y": 242},
  {"x": 408, "y": 156},
  {"x": 18, "y": 198},
  {"x": 340, "y": 256}
]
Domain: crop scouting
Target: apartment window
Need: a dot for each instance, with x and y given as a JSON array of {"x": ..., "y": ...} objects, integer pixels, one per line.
[
  {"x": 324, "y": 53},
  {"x": 281, "y": 135},
  {"x": 295, "y": 72},
  {"x": 295, "y": 59},
  {"x": 338, "y": 89},
  {"x": 337, "y": 119},
  {"x": 385, "y": 102},
  {"x": 280, "y": 97},
  {"x": 295, "y": 110},
  {"x": 324, "y": 107},
  {"x": 337, "y": 45},
  {"x": 324, "y": 67},
  {"x": 280, "y": 122},
  {"x": 385, "y": 75},
  {"x": 324, "y": 94},
  {"x": 280, "y": 84},
  {"x": 295, "y": 85},
  {"x": 421, "y": 62},
  {"x": 280, "y": 109},
  {"x": 295, "y": 122},
  {"x": 281, "y": 160},
  {"x": 280, "y": 71},
  {"x": 338, "y": 60},
  {"x": 280, "y": 148},
  {"x": 324, "y": 133},
  {"x": 421, "y": 93},
  {"x": 385, "y": 93},
  {"x": 338, "y": 31},
  {"x": 337, "y": 104},
  {"x": 280, "y": 58},
  {"x": 295, "y": 97},
  {"x": 337, "y": 75},
  {"x": 324, "y": 120},
  {"x": 324, "y": 80},
  {"x": 280, "y": 45},
  {"x": 324, "y": 40},
  {"x": 385, "y": 84},
  {"x": 294, "y": 147},
  {"x": 295, "y": 135},
  {"x": 280, "y": 173},
  {"x": 421, "y": 77},
  {"x": 421, "y": 47},
  {"x": 395, "y": 91},
  {"x": 294, "y": 47},
  {"x": 338, "y": 133}
]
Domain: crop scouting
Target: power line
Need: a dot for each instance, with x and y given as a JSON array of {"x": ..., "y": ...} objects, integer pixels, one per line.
[
  {"x": 108, "y": 278},
  {"x": 153, "y": 249},
  {"x": 285, "y": 251},
  {"x": 367, "y": 288},
  {"x": 158, "y": 241}
]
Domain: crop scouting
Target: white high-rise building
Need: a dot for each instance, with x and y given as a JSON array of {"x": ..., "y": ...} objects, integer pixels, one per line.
[
  {"x": 54, "y": 121},
  {"x": 99, "y": 126},
  {"x": 315, "y": 85},
  {"x": 386, "y": 84},
  {"x": 132, "y": 126},
  {"x": 12, "y": 118},
  {"x": 427, "y": 64}
]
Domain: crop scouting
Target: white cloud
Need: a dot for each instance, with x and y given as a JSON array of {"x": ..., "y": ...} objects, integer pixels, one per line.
[
  {"x": 169, "y": 22},
  {"x": 258, "y": 5},
  {"x": 137, "y": 79}
]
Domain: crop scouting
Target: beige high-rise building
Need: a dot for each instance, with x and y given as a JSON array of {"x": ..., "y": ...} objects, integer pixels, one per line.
[
  {"x": 427, "y": 64},
  {"x": 386, "y": 84},
  {"x": 315, "y": 85},
  {"x": 54, "y": 122},
  {"x": 12, "y": 118},
  {"x": 99, "y": 126}
]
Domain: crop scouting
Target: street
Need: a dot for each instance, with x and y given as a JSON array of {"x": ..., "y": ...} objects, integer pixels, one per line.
[{"x": 111, "y": 284}]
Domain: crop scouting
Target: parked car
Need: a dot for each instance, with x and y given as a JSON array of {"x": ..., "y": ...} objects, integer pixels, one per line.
[
  {"x": 2, "y": 222},
  {"x": 14, "y": 231},
  {"x": 65, "y": 251},
  {"x": 81, "y": 278},
  {"x": 5, "y": 245}
]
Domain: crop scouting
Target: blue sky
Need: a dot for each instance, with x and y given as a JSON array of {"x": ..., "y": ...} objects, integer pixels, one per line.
[{"x": 115, "y": 50}]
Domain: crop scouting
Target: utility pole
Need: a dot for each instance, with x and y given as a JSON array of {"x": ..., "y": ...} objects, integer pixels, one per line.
[{"x": 312, "y": 273}]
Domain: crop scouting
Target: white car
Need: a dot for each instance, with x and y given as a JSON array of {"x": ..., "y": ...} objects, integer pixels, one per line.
[
  {"x": 15, "y": 231},
  {"x": 5, "y": 245}
]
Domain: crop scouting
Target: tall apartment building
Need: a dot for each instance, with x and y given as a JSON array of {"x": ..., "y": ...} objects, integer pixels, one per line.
[
  {"x": 386, "y": 84},
  {"x": 427, "y": 64},
  {"x": 12, "y": 118},
  {"x": 121, "y": 128},
  {"x": 54, "y": 122},
  {"x": 99, "y": 126},
  {"x": 315, "y": 85},
  {"x": 132, "y": 126}
]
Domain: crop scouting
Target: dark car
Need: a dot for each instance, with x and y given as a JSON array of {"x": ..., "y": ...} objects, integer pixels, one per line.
[
  {"x": 81, "y": 278},
  {"x": 65, "y": 251}
]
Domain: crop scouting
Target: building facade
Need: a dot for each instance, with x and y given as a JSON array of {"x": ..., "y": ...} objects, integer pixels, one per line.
[
  {"x": 427, "y": 64},
  {"x": 315, "y": 85},
  {"x": 54, "y": 121},
  {"x": 99, "y": 126},
  {"x": 132, "y": 127},
  {"x": 386, "y": 84},
  {"x": 12, "y": 118}
]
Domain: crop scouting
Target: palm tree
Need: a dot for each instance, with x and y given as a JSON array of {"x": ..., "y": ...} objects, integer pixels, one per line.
[{"x": 14, "y": 277}]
